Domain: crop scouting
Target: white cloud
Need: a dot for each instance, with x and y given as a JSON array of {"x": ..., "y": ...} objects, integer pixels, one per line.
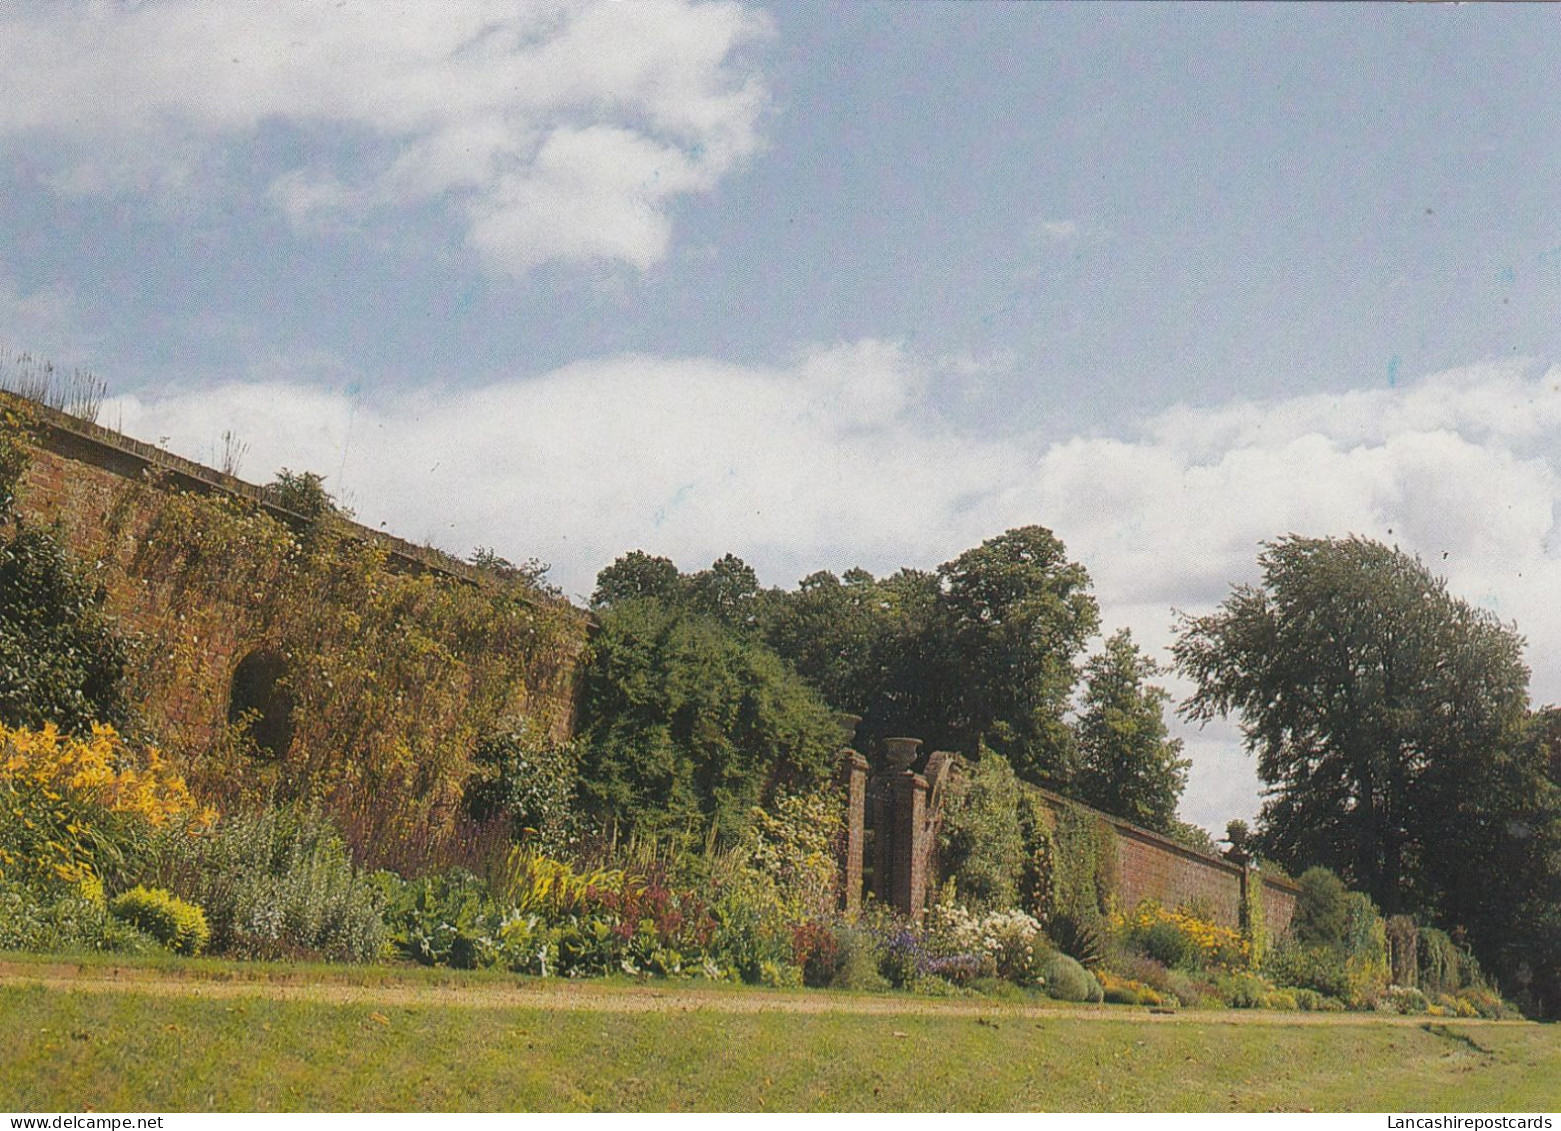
[
  {"x": 837, "y": 459},
  {"x": 559, "y": 131}
]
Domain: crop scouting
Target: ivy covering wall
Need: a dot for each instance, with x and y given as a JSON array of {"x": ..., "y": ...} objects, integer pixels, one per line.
[{"x": 390, "y": 675}]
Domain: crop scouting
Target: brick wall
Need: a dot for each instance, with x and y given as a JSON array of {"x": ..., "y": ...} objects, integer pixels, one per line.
[
  {"x": 1151, "y": 866},
  {"x": 82, "y": 480},
  {"x": 1148, "y": 865}
]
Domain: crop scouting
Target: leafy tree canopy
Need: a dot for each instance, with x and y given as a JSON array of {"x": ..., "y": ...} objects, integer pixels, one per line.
[
  {"x": 685, "y": 720},
  {"x": 637, "y": 575},
  {"x": 1128, "y": 763},
  {"x": 981, "y": 650},
  {"x": 1373, "y": 700},
  {"x": 1390, "y": 723}
]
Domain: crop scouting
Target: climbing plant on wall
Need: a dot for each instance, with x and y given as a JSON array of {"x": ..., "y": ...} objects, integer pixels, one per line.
[
  {"x": 391, "y": 675},
  {"x": 61, "y": 658},
  {"x": 1254, "y": 921},
  {"x": 1085, "y": 865}
]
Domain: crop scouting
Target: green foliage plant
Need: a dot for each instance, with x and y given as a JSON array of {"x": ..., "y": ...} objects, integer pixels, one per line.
[
  {"x": 1402, "y": 999},
  {"x": 1084, "y": 866},
  {"x": 1037, "y": 876},
  {"x": 1243, "y": 989},
  {"x": 1402, "y": 938},
  {"x": 857, "y": 961},
  {"x": 792, "y": 844},
  {"x": 64, "y": 922},
  {"x": 276, "y": 883},
  {"x": 178, "y": 925},
  {"x": 684, "y": 719},
  {"x": 1186, "y": 938},
  {"x": 982, "y": 838},
  {"x": 305, "y": 493},
  {"x": 1297, "y": 965},
  {"x": 1019, "y": 612},
  {"x": 16, "y": 426},
  {"x": 1365, "y": 950},
  {"x": 1322, "y": 909},
  {"x": 525, "y": 775},
  {"x": 62, "y": 657},
  {"x": 1167, "y": 943},
  {"x": 1192, "y": 836},
  {"x": 447, "y": 919},
  {"x": 1442, "y": 965},
  {"x": 1066, "y": 980}
]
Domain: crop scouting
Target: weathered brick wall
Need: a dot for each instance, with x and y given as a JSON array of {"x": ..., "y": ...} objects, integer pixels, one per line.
[
  {"x": 1151, "y": 869},
  {"x": 1278, "y": 905},
  {"x": 1151, "y": 866},
  {"x": 82, "y": 479},
  {"x": 1148, "y": 865}
]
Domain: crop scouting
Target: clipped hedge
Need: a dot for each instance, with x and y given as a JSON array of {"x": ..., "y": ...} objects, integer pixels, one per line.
[
  {"x": 178, "y": 925},
  {"x": 1066, "y": 980}
]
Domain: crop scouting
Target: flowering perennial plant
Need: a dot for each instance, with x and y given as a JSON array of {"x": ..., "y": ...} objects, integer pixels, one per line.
[
  {"x": 1181, "y": 939},
  {"x": 1011, "y": 941},
  {"x": 66, "y": 802}
]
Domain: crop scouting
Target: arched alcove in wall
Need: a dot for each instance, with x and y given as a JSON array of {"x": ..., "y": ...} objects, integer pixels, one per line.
[{"x": 259, "y": 696}]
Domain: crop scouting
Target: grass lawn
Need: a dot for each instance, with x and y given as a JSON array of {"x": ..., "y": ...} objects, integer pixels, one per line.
[{"x": 170, "y": 1035}]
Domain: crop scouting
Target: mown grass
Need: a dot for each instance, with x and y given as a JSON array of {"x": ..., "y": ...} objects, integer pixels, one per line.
[{"x": 81, "y": 1045}]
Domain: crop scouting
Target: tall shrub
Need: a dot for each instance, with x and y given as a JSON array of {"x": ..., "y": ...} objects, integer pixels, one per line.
[
  {"x": 530, "y": 779},
  {"x": 684, "y": 718},
  {"x": 274, "y": 884}
]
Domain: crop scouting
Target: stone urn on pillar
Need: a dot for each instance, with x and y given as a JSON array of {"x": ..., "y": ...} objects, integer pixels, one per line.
[
  {"x": 899, "y": 753},
  {"x": 847, "y": 724}
]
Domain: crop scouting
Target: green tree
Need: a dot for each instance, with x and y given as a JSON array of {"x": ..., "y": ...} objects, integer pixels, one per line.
[
  {"x": 636, "y": 575},
  {"x": 982, "y": 650},
  {"x": 1390, "y": 721},
  {"x": 1383, "y": 711},
  {"x": 1128, "y": 763},
  {"x": 1020, "y": 613},
  {"x": 684, "y": 719},
  {"x": 727, "y": 591},
  {"x": 834, "y": 631}
]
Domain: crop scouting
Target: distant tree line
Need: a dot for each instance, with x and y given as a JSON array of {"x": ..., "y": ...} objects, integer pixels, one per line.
[
  {"x": 707, "y": 687},
  {"x": 1390, "y": 720}
]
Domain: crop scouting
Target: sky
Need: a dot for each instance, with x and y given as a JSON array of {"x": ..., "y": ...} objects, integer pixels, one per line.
[{"x": 827, "y": 285}]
